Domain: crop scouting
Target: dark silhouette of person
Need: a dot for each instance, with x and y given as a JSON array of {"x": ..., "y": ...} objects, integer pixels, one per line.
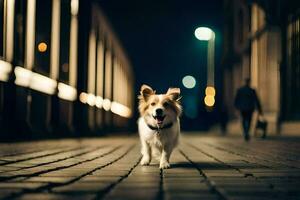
[{"x": 246, "y": 101}]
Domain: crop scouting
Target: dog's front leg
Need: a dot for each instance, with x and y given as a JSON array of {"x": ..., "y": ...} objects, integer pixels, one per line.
[
  {"x": 146, "y": 152},
  {"x": 164, "y": 160}
]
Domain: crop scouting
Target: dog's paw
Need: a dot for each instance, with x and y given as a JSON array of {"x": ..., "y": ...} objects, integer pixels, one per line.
[
  {"x": 164, "y": 165},
  {"x": 145, "y": 160}
]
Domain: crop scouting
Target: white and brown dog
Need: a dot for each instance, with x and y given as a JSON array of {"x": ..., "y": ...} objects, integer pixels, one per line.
[{"x": 159, "y": 126}]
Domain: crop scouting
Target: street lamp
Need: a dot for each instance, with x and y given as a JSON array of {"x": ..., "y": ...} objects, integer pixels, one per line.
[{"x": 206, "y": 34}]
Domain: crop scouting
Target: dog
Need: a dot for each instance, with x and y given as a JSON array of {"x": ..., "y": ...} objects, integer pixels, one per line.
[{"x": 158, "y": 125}]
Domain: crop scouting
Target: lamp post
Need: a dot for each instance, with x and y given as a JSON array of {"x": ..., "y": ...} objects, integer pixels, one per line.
[{"x": 206, "y": 34}]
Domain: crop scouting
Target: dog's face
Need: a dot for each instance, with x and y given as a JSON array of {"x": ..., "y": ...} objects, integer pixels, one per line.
[{"x": 159, "y": 109}]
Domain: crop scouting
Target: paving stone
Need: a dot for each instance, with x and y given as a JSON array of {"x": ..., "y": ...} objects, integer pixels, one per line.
[
  {"x": 8, "y": 185},
  {"x": 81, "y": 187},
  {"x": 5, "y": 192},
  {"x": 139, "y": 179},
  {"x": 92, "y": 178},
  {"x": 6, "y": 168},
  {"x": 183, "y": 180},
  {"x": 202, "y": 167},
  {"x": 146, "y": 193},
  {"x": 18, "y": 165},
  {"x": 47, "y": 196},
  {"x": 109, "y": 173},
  {"x": 193, "y": 189},
  {"x": 53, "y": 179},
  {"x": 190, "y": 195}
]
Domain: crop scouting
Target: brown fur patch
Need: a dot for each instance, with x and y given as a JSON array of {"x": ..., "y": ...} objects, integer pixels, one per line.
[
  {"x": 144, "y": 103},
  {"x": 173, "y": 104}
]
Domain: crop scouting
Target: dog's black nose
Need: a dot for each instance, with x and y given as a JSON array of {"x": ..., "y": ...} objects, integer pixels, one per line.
[{"x": 159, "y": 112}]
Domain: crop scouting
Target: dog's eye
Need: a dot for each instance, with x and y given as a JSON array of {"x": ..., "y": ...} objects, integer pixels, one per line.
[
  {"x": 165, "y": 104},
  {"x": 153, "y": 104}
]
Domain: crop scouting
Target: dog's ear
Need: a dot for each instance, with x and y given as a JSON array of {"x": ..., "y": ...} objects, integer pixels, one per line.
[
  {"x": 146, "y": 91},
  {"x": 174, "y": 93}
]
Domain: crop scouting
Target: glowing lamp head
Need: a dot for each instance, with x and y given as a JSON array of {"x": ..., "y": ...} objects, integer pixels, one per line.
[
  {"x": 210, "y": 91},
  {"x": 209, "y": 101},
  {"x": 204, "y": 33}
]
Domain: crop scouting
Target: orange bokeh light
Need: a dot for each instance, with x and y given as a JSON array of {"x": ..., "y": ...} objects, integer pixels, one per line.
[
  {"x": 42, "y": 47},
  {"x": 209, "y": 101}
]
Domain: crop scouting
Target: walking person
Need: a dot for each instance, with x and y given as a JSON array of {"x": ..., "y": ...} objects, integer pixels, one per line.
[{"x": 246, "y": 101}]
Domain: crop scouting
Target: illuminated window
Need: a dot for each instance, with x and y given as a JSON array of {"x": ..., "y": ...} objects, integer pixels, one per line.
[
  {"x": 73, "y": 43},
  {"x": 92, "y": 63},
  {"x": 117, "y": 86},
  {"x": 123, "y": 99},
  {"x": 1, "y": 27},
  {"x": 100, "y": 68},
  {"x": 108, "y": 74},
  {"x": 7, "y": 29}
]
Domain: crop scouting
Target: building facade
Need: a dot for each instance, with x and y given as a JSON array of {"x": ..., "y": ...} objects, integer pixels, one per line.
[
  {"x": 62, "y": 70},
  {"x": 261, "y": 42}
]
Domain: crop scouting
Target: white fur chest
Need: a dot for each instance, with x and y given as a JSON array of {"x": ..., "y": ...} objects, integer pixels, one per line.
[{"x": 158, "y": 138}]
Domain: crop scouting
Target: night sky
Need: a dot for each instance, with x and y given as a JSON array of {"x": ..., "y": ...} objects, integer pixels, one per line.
[{"x": 158, "y": 36}]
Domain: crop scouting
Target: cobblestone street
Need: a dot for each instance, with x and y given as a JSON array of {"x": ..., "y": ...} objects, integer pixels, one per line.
[{"x": 202, "y": 167}]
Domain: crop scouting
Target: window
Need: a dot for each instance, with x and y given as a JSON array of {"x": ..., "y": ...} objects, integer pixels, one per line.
[
  {"x": 92, "y": 62},
  {"x": 108, "y": 74},
  {"x": 100, "y": 67},
  {"x": 1, "y": 27}
]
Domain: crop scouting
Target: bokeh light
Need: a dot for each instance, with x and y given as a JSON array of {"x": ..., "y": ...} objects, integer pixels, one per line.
[
  {"x": 204, "y": 33},
  {"x": 99, "y": 101},
  {"x": 83, "y": 97},
  {"x": 91, "y": 99},
  {"x": 209, "y": 101},
  {"x": 210, "y": 91},
  {"x": 106, "y": 104},
  {"x": 189, "y": 82},
  {"x": 42, "y": 47}
]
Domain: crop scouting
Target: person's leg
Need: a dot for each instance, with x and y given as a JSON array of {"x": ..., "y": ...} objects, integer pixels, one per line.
[
  {"x": 247, "y": 116},
  {"x": 244, "y": 123}
]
